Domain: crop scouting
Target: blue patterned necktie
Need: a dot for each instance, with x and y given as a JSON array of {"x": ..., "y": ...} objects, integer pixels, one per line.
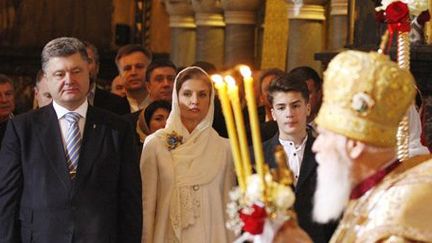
[{"x": 73, "y": 142}]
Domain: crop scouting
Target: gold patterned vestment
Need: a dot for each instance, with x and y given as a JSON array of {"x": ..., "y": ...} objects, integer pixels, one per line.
[{"x": 398, "y": 209}]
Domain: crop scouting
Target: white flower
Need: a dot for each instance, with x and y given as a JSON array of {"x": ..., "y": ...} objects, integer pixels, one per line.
[
  {"x": 284, "y": 197},
  {"x": 362, "y": 103},
  {"x": 235, "y": 194},
  {"x": 254, "y": 189}
]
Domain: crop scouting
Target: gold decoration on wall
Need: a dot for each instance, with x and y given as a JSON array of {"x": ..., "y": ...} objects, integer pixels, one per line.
[{"x": 275, "y": 38}]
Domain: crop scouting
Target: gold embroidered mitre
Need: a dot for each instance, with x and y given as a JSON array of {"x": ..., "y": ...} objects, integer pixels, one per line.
[{"x": 365, "y": 97}]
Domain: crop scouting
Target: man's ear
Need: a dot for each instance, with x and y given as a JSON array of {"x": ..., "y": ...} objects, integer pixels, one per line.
[
  {"x": 308, "y": 109},
  {"x": 273, "y": 114},
  {"x": 354, "y": 148}
]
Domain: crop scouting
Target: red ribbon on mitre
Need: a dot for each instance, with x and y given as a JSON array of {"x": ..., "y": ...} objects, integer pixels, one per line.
[
  {"x": 254, "y": 222},
  {"x": 397, "y": 16}
]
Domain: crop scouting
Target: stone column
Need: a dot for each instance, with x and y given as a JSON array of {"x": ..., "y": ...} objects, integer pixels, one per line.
[
  {"x": 240, "y": 31},
  {"x": 183, "y": 38},
  {"x": 306, "y": 34},
  {"x": 209, "y": 32},
  {"x": 338, "y": 27}
]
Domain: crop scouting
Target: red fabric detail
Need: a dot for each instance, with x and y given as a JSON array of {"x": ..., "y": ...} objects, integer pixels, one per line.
[
  {"x": 372, "y": 181},
  {"x": 397, "y": 16},
  {"x": 254, "y": 223},
  {"x": 380, "y": 16}
]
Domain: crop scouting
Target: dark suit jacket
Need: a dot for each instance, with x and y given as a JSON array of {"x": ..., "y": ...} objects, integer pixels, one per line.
[
  {"x": 304, "y": 190},
  {"x": 2, "y": 130},
  {"x": 40, "y": 203},
  {"x": 111, "y": 102}
]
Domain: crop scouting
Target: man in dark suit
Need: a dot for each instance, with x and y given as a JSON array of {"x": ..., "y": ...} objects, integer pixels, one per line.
[
  {"x": 98, "y": 97},
  {"x": 289, "y": 98},
  {"x": 68, "y": 171}
]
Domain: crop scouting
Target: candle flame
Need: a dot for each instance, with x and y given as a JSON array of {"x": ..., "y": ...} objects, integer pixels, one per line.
[
  {"x": 245, "y": 71},
  {"x": 230, "y": 81},
  {"x": 217, "y": 78}
]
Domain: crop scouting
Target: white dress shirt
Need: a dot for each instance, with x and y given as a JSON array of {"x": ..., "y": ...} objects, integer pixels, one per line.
[
  {"x": 295, "y": 155},
  {"x": 64, "y": 125}
]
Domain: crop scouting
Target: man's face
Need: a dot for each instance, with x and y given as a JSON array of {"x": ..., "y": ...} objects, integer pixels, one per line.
[
  {"x": 264, "y": 89},
  {"x": 161, "y": 82},
  {"x": 315, "y": 96},
  {"x": 7, "y": 100},
  {"x": 42, "y": 94},
  {"x": 334, "y": 173},
  {"x": 68, "y": 80},
  {"x": 93, "y": 66},
  {"x": 118, "y": 86},
  {"x": 132, "y": 68},
  {"x": 290, "y": 110}
]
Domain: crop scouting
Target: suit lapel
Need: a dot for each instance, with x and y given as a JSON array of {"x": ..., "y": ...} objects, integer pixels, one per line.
[
  {"x": 94, "y": 133},
  {"x": 50, "y": 138},
  {"x": 308, "y": 164}
]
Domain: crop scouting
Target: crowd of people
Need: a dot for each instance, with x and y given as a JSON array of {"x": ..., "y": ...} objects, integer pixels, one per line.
[{"x": 150, "y": 161}]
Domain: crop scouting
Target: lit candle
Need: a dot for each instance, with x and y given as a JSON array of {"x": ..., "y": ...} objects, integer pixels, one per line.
[
  {"x": 253, "y": 118},
  {"x": 233, "y": 94},
  {"x": 229, "y": 121}
]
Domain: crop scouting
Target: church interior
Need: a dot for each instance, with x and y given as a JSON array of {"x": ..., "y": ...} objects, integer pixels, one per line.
[{"x": 261, "y": 34}]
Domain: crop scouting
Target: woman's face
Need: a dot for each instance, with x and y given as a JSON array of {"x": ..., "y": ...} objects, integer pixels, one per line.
[
  {"x": 158, "y": 119},
  {"x": 194, "y": 100}
]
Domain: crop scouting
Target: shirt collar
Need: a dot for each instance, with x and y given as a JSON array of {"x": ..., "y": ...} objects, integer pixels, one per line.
[
  {"x": 61, "y": 111},
  {"x": 291, "y": 144}
]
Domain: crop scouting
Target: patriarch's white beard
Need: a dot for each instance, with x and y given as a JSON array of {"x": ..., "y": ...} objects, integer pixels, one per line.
[{"x": 333, "y": 189}]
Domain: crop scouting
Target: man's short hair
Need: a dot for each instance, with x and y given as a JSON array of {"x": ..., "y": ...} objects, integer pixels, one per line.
[
  {"x": 94, "y": 49},
  {"x": 4, "y": 79},
  {"x": 63, "y": 47},
  {"x": 131, "y": 48},
  {"x": 288, "y": 83},
  {"x": 270, "y": 72},
  {"x": 210, "y": 68},
  {"x": 158, "y": 64},
  {"x": 305, "y": 73}
]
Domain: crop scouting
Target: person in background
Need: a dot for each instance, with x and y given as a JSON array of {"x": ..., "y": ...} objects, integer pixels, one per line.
[
  {"x": 41, "y": 92},
  {"x": 264, "y": 81},
  {"x": 187, "y": 169},
  {"x": 149, "y": 121},
  {"x": 314, "y": 83},
  {"x": 159, "y": 79},
  {"x": 98, "y": 97},
  {"x": 289, "y": 97},
  {"x": 132, "y": 61},
  {"x": 118, "y": 86},
  {"x": 7, "y": 103},
  {"x": 157, "y": 114},
  {"x": 68, "y": 171}
]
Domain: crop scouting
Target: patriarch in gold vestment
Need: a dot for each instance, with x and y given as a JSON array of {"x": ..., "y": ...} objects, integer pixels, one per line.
[{"x": 359, "y": 177}]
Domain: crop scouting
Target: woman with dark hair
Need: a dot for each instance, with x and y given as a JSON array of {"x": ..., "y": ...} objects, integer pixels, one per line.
[{"x": 186, "y": 169}]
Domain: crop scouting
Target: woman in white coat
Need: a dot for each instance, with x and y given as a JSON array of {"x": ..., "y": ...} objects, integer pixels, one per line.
[{"x": 186, "y": 169}]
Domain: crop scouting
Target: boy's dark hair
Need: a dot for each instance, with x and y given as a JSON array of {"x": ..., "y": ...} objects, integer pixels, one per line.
[
  {"x": 150, "y": 110},
  {"x": 157, "y": 64},
  {"x": 288, "y": 83},
  {"x": 305, "y": 73}
]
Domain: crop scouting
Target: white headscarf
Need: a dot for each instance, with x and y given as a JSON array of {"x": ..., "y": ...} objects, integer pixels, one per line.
[{"x": 196, "y": 161}]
